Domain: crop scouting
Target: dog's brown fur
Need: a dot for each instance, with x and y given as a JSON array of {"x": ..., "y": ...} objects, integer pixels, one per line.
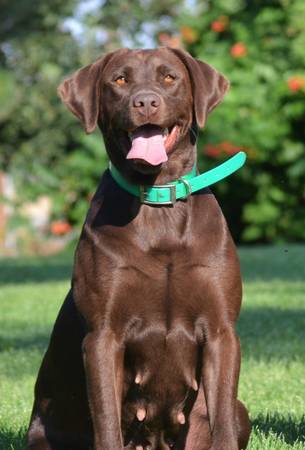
[{"x": 156, "y": 291}]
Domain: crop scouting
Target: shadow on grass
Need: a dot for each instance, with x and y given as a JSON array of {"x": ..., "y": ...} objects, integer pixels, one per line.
[
  {"x": 290, "y": 429},
  {"x": 12, "y": 440},
  {"x": 265, "y": 263},
  {"x": 29, "y": 342},
  {"x": 259, "y": 263},
  {"x": 36, "y": 269},
  {"x": 265, "y": 333},
  {"x": 269, "y": 333}
]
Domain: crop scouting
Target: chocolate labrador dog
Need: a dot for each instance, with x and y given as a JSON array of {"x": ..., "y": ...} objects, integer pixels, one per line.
[{"x": 144, "y": 352}]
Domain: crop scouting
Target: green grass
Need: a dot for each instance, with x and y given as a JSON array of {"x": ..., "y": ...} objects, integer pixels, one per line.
[{"x": 271, "y": 327}]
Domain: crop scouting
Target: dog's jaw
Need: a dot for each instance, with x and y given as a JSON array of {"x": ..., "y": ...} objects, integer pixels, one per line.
[{"x": 179, "y": 145}]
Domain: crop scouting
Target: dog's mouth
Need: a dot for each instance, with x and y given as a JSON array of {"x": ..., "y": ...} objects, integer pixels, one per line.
[{"x": 150, "y": 144}]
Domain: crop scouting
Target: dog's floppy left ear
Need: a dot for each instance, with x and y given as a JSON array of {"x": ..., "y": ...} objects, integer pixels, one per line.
[
  {"x": 81, "y": 92},
  {"x": 208, "y": 85}
]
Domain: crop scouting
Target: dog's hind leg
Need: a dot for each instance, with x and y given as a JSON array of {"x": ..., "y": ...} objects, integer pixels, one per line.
[
  {"x": 199, "y": 436},
  {"x": 60, "y": 418},
  {"x": 37, "y": 439},
  {"x": 40, "y": 438},
  {"x": 243, "y": 425}
]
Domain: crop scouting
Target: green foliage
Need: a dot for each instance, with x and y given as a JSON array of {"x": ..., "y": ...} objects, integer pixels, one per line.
[
  {"x": 260, "y": 47},
  {"x": 81, "y": 171},
  {"x": 35, "y": 131},
  {"x": 41, "y": 144}
]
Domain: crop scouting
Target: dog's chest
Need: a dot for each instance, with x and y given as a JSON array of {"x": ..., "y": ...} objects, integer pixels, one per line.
[
  {"x": 153, "y": 270},
  {"x": 159, "y": 294}
]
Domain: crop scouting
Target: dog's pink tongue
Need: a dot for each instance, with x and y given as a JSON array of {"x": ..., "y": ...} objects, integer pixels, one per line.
[{"x": 148, "y": 144}]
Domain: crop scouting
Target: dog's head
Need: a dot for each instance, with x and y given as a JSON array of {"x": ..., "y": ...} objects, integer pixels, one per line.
[{"x": 146, "y": 102}]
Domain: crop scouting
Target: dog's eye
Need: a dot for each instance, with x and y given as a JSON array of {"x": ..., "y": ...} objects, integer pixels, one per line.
[
  {"x": 120, "y": 80},
  {"x": 169, "y": 78}
]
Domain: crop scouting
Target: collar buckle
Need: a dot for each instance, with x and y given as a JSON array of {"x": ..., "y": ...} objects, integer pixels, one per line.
[
  {"x": 188, "y": 188},
  {"x": 172, "y": 193}
]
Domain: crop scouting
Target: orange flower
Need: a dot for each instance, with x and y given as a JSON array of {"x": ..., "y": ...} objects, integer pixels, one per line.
[
  {"x": 60, "y": 227},
  {"x": 239, "y": 50},
  {"x": 218, "y": 26},
  {"x": 169, "y": 40},
  {"x": 174, "y": 42},
  {"x": 296, "y": 83},
  {"x": 189, "y": 34}
]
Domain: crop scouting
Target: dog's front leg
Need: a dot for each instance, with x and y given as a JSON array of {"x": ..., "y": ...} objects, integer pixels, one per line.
[
  {"x": 220, "y": 373},
  {"x": 103, "y": 361}
]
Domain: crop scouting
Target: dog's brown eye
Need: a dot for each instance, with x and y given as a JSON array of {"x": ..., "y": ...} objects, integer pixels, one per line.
[
  {"x": 121, "y": 80},
  {"x": 169, "y": 78}
]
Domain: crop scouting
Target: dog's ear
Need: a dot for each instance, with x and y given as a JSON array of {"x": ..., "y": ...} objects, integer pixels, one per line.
[
  {"x": 208, "y": 85},
  {"x": 81, "y": 92}
]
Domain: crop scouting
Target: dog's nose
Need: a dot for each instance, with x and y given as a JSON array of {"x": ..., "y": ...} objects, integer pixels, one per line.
[{"x": 146, "y": 103}]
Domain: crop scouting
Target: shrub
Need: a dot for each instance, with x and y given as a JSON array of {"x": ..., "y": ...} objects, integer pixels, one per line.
[{"x": 260, "y": 47}]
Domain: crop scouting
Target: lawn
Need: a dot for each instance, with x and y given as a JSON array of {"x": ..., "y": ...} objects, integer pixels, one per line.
[{"x": 271, "y": 327}]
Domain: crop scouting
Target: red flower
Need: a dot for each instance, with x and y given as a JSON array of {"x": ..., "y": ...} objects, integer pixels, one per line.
[
  {"x": 218, "y": 26},
  {"x": 239, "y": 50},
  {"x": 60, "y": 227},
  {"x": 295, "y": 84}
]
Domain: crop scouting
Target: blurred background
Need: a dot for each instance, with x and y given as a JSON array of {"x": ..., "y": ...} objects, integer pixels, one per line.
[{"x": 49, "y": 168}]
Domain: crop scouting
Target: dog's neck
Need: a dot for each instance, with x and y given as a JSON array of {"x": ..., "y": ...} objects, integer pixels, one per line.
[{"x": 180, "y": 162}]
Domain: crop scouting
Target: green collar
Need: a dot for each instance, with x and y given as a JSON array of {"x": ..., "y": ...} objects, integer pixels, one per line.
[{"x": 167, "y": 194}]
